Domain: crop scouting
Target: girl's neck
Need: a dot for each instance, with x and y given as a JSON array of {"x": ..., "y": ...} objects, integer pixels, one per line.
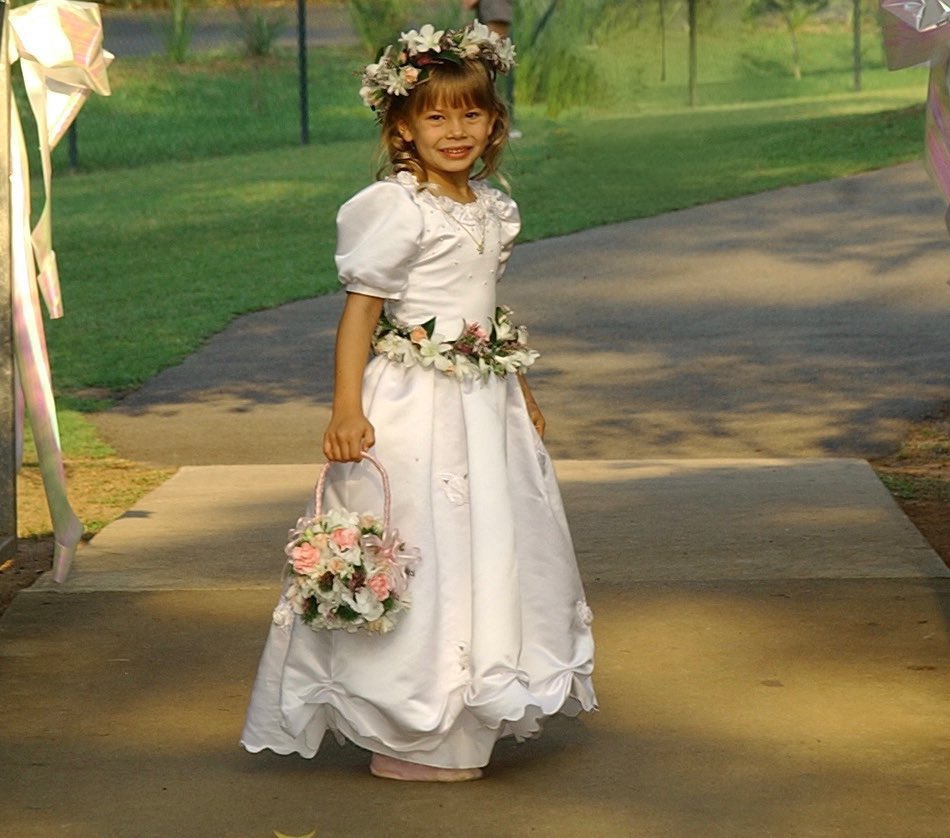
[{"x": 458, "y": 189}]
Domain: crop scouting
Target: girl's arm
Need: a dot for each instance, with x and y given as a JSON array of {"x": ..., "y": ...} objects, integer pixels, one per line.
[
  {"x": 349, "y": 431},
  {"x": 534, "y": 412}
]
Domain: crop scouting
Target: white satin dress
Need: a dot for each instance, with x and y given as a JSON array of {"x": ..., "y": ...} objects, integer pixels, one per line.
[{"x": 498, "y": 635}]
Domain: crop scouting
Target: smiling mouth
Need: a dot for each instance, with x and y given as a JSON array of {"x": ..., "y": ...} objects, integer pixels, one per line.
[{"x": 460, "y": 151}]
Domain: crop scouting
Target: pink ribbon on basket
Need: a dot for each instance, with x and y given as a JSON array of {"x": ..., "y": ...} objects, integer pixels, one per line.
[
  {"x": 399, "y": 559},
  {"x": 59, "y": 46},
  {"x": 918, "y": 32}
]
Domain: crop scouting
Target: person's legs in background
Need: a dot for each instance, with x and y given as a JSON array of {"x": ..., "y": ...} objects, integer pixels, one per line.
[{"x": 497, "y": 16}]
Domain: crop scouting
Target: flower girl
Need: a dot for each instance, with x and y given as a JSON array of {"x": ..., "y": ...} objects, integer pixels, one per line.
[{"x": 497, "y": 636}]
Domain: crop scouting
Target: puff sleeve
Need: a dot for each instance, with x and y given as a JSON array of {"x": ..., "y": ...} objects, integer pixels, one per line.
[
  {"x": 378, "y": 237},
  {"x": 510, "y": 220}
]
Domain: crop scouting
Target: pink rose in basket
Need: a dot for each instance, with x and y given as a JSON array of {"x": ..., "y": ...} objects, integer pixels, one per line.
[
  {"x": 379, "y": 585},
  {"x": 305, "y": 558},
  {"x": 348, "y": 572},
  {"x": 345, "y": 539}
]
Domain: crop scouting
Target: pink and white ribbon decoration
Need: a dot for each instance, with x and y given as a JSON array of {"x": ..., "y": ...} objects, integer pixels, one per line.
[
  {"x": 918, "y": 32},
  {"x": 59, "y": 46}
]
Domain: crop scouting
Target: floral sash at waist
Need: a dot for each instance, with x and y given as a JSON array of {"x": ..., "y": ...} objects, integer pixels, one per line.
[{"x": 476, "y": 353}]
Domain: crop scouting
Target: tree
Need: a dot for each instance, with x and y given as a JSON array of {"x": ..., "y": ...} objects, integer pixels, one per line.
[
  {"x": 794, "y": 14},
  {"x": 662, "y": 40},
  {"x": 178, "y": 31},
  {"x": 856, "y": 37},
  {"x": 692, "y": 13}
]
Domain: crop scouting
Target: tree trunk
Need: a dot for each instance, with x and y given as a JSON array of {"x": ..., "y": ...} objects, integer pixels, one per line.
[
  {"x": 663, "y": 40},
  {"x": 796, "y": 56},
  {"x": 692, "y": 51},
  {"x": 856, "y": 33}
]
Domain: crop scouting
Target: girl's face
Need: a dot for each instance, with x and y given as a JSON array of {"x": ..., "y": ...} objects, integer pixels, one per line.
[{"x": 449, "y": 140}]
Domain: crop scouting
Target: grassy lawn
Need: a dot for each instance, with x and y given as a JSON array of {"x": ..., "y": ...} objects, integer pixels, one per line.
[
  {"x": 194, "y": 202},
  {"x": 157, "y": 258}
]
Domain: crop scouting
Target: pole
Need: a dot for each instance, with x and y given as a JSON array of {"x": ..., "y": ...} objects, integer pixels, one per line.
[
  {"x": 72, "y": 135},
  {"x": 302, "y": 64},
  {"x": 8, "y": 464}
]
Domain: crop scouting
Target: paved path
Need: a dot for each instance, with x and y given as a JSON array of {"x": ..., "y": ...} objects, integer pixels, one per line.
[
  {"x": 141, "y": 32},
  {"x": 808, "y": 321},
  {"x": 772, "y": 632}
]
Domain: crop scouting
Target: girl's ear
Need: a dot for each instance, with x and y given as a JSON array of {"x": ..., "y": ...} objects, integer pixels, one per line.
[{"x": 404, "y": 132}]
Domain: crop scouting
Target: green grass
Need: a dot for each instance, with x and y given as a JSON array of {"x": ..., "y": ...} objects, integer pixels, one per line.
[
  {"x": 214, "y": 106},
  {"x": 156, "y": 259},
  {"x": 909, "y": 487},
  {"x": 196, "y": 203}
]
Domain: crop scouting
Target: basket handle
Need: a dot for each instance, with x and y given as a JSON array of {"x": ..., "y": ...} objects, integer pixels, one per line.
[{"x": 387, "y": 497}]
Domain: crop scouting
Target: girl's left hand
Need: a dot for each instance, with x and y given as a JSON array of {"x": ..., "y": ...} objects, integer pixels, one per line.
[
  {"x": 534, "y": 412},
  {"x": 536, "y": 417}
]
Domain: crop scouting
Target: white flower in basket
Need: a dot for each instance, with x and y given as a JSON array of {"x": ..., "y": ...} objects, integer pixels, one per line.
[{"x": 348, "y": 571}]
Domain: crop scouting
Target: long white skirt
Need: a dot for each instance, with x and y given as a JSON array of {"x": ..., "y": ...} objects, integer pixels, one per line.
[{"x": 498, "y": 635}]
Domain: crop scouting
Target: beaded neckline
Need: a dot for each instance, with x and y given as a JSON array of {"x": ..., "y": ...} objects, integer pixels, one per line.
[{"x": 470, "y": 216}]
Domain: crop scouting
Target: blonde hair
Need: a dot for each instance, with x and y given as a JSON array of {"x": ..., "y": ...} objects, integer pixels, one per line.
[{"x": 464, "y": 85}]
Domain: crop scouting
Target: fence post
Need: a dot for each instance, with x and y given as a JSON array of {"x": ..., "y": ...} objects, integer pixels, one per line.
[
  {"x": 8, "y": 523},
  {"x": 72, "y": 136}
]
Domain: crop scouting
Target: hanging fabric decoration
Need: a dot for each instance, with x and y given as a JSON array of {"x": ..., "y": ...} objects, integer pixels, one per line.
[
  {"x": 918, "y": 32},
  {"x": 59, "y": 46}
]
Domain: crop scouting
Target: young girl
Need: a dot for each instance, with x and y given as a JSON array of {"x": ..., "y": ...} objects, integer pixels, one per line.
[{"x": 498, "y": 636}]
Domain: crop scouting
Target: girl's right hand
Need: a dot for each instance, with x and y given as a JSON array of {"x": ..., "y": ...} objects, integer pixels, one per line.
[{"x": 346, "y": 437}]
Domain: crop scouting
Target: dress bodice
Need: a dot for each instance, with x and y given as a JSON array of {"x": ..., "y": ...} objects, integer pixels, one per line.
[{"x": 426, "y": 254}]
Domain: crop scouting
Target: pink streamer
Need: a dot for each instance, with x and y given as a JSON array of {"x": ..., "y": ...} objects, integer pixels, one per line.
[
  {"x": 917, "y": 32},
  {"x": 395, "y": 556},
  {"x": 54, "y": 32}
]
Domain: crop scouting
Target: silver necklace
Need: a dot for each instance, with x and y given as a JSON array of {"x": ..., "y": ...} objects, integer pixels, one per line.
[{"x": 479, "y": 243}]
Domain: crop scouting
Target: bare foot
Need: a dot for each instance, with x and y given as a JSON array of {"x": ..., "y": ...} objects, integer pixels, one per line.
[{"x": 397, "y": 769}]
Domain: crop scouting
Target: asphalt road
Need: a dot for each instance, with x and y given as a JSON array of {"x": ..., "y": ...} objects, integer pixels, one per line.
[
  {"x": 803, "y": 322},
  {"x": 141, "y": 33}
]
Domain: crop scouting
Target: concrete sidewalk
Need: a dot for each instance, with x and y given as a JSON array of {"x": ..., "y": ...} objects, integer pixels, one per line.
[
  {"x": 772, "y": 632},
  {"x": 772, "y": 661}
]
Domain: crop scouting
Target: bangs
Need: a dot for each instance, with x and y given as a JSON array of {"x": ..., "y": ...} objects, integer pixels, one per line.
[{"x": 468, "y": 85}]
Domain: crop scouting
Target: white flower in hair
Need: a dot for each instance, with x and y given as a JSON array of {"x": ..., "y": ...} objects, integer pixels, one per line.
[
  {"x": 396, "y": 85},
  {"x": 505, "y": 53},
  {"x": 401, "y": 67},
  {"x": 473, "y": 39},
  {"x": 424, "y": 40}
]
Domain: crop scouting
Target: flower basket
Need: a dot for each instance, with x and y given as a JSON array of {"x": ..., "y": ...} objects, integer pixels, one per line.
[{"x": 346, "y": 570}]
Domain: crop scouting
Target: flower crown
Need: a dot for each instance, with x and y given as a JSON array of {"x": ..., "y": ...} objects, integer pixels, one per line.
[{"x": 402, "y": 66}]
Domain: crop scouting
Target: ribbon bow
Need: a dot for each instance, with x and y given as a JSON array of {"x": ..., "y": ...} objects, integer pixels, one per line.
[
  {"x": 59, "y": 46},
  {"x": 917, "y": 32},
  {"x": 393, "y": 554}
]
